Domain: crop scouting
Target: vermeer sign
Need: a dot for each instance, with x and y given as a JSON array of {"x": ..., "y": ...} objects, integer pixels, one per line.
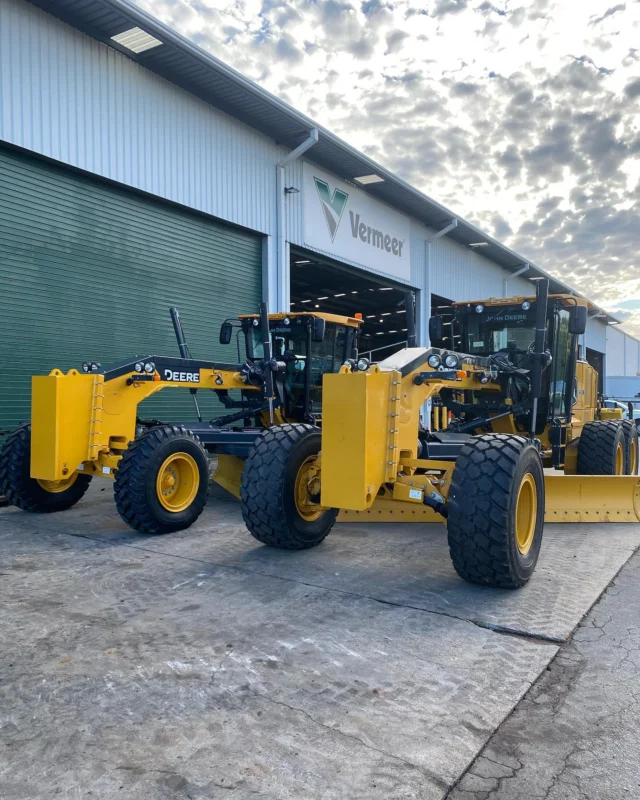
[{"x": 344, "y": 221}]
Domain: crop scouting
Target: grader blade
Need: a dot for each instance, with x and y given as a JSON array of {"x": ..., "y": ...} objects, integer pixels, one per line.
[{"x": 592, "y": 498}]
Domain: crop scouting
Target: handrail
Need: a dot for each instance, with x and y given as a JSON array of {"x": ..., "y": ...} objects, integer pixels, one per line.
[{"x": 369, "y": 353}]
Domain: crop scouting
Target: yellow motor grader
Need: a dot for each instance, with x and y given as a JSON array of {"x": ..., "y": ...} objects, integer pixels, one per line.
[
  {"x": 87, "y": 423},
  {"x": 517, "y": 435}
]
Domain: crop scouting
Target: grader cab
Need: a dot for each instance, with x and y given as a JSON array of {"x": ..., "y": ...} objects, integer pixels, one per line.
[{"x": 517, "y": 436}]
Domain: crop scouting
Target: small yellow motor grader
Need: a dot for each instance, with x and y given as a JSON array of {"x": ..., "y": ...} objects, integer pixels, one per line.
[{"x": 86, "y": 423}]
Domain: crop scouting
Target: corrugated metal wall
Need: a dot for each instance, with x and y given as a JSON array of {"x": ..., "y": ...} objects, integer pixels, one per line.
[
  {"x": 88, "y": 271},
  {"x": 458, "y": 273},
  {"x": 596, "y": 335},
  {"x": 631, "y": 352},
  {"x": 75, "y": 100},
  {"x": 615, "y": 352}
]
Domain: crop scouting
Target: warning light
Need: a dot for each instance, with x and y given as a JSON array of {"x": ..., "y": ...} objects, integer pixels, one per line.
[
  {"x": 357, "y": 315},
  {"x": 460, "y": 374}
]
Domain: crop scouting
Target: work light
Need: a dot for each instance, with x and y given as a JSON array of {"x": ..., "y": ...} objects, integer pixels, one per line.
[
  {"x": 434, "y": 361},
  {"x": 450, "y": 361}
]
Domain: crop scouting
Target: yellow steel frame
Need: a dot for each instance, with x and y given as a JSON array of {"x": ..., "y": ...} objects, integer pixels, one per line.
[{"x": 80, "y": 422}]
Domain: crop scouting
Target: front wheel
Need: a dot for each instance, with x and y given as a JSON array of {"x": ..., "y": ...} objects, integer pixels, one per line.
[
  {"x": 280, "y": 491},
  {"x": 31, "y": 494},
  {"x": 162, "y": 480},
  {"x": 496, "y": 510}
]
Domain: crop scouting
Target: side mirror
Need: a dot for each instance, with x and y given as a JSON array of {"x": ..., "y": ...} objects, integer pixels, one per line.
[
  {"x": 578, "y": 320},
  {"x": 317, "y": 332},
  {"x": 436, "y": 332},
  {"x": 226, "y": 332}
]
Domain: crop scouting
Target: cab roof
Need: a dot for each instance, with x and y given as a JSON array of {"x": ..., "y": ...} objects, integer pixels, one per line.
[
  {"x": 517, "y": 299},
  {"x": 337, "y": 319}
]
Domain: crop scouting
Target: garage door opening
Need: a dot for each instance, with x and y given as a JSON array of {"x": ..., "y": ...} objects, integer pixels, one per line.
[{"x": 320, "y": 285}]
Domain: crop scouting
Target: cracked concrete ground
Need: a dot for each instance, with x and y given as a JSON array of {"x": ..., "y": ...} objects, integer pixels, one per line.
[
  {"x": 576, "y": 734},
  {"x": 201, "y": 664}
]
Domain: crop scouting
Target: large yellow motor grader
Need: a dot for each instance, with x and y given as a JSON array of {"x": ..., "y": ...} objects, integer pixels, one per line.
[{"x": 522, "y": 438}]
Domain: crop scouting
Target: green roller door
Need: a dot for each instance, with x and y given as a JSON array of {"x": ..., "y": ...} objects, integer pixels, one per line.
[{"x": 88, "y": 271}]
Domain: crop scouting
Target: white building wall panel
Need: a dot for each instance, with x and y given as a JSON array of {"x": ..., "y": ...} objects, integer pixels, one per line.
[
  {"x": 458, "y": 273},
  {"x": 615, "y": 352},
  {"x": 631, "y": 356},
  {"x": 70, "y": 98},
  {"x": 596, "y": 335}
]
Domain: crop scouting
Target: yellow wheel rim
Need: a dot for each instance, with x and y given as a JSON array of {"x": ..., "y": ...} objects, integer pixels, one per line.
[
  {"x": 633, "y": 456},
  {"x": 526, "y": 513},
  {"x": 177, "y": 482},
  {"x": 619, "y": 459},
  {"x": 55, "y": 487},
  {"x": 308, "y": 483}
]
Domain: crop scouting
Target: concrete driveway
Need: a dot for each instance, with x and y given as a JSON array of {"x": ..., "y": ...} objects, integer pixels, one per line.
[{"x": 204, "y": 665}]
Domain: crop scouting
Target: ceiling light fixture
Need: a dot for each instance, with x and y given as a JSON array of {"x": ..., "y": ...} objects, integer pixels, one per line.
[
  {"x": 386, "y": 289},
  {"x": 366, "y": 179},
  {"x": 479, "y": 244},
  {"x": 326, "y": 297},
  {"x": 303, "y": 262},
  {"x": 342, "y": 294},
  {"x": 136, "y": 40}
]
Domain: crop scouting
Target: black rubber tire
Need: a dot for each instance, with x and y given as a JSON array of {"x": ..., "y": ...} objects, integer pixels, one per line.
[
  {"x": 267, "y": 490},
  {"x": 630, "y": 433},
  {"x": 135, "y": 480},
  {"x": 597, "y": 447},
  {"x": 482, "y": 505},
  {"x": 23, "y": 491}
]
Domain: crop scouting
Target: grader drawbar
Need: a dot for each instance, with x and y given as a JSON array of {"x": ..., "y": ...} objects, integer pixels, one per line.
[{"x": 517, "y": 434}]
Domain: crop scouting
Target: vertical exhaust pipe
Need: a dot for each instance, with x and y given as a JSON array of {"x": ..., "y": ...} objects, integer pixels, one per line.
[
  {"x": 410, "y": 305},
  {"x": 184, "y": 350}
]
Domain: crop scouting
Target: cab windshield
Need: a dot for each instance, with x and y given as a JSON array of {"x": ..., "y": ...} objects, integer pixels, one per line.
[
  {"x": 289, "y": 344},
  {"x": 505, "y": 328}
]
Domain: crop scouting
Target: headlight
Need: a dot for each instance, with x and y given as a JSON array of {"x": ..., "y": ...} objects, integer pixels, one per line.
[
  {"x": 255, "y": 323},
  {"x": 363, "y": 364},
  {"x": 139, "y": 366},
  {"x": 479, "y": 308},
  {"x": 451, "y": 361},
  {"x": 434, "y": 361},
  {"x": 286, "y": 321},
  {"x": 526, "y": 305},
  {"x": 95, "y": 366},
  {"x": 149, "y": 367}
]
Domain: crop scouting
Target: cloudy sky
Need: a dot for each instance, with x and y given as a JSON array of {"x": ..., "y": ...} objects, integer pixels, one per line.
[{"x": 523, "y": 116}]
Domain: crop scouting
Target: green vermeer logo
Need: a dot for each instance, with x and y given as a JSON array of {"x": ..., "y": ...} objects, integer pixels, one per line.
[{"x": 333, "y": 205}]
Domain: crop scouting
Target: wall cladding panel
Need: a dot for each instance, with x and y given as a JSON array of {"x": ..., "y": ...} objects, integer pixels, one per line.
[{"x": 75, "y": 100}]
